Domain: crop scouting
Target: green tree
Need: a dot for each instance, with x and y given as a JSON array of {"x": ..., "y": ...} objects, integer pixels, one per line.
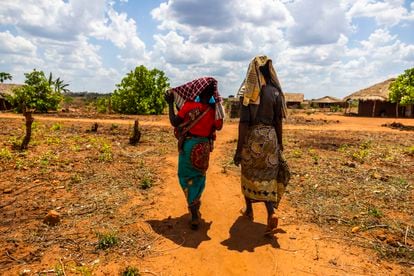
[
  {"x": 402, "y": 89},
  {"x": 38, "y": 94},
  {"x": 5, "y": 76},
  {"x": 141, "y": 92}
]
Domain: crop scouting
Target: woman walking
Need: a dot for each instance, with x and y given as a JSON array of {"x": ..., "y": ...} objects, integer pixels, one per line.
[
  {"x": 264, "y": 173},
  {"x": 200, "y": 114}
]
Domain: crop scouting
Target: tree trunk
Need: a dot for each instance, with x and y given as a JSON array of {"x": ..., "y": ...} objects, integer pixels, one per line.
[
  {"x": 396, "y": 110},
  {"x": 136, "y": 134},
  {"x": 29, "y": 122}
]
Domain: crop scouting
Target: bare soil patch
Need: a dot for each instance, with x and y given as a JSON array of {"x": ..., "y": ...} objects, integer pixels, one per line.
[{"x": 349, "y": 207}]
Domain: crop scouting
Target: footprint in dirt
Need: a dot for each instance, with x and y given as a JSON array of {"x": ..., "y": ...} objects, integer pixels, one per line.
[{"x": 178, "y": 230}]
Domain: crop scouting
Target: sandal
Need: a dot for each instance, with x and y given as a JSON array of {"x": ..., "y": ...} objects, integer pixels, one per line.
[{"x": 248, "y": 215}]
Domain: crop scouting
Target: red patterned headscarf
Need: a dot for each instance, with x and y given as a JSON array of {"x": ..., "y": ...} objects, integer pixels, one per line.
[{"x": 192, "y": 89}]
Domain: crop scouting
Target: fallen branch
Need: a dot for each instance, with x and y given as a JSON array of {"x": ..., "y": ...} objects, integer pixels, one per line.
[
  {"x": 406, "y": 233},
  {"x": 149, "y": 272},
  {"x": 63, "y": 267},
  {"x": 14, "y": 259},
  {"x": 377, "y": 226}
]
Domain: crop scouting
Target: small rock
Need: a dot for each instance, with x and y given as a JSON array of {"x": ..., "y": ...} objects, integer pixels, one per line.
[
  {"x": 355, "y": 229},
  {"x": 391, "y": 241},
  {"x": 375, "y": 175},
  {"x": 25, "y": 272},
  {"x": 381, "y": 237},
  {"x": 292, "y": 237},
  {"x": 350, "y": 164},
  {"x": 52, "y": 218},
  {"x": 7, "y": 191}
]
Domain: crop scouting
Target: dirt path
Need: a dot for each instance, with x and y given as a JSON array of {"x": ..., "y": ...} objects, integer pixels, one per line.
[{"x": 227, "y": 244}]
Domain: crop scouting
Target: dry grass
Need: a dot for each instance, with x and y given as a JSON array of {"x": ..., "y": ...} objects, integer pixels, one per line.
[
  {"x": 357, "y": 185},
  {"x": 94, "y": 180}
]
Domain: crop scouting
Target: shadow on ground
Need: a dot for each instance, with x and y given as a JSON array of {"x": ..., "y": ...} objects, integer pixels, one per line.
[
  {"x": 178, "y": 230},
  {"x": 247, "y": 235}
]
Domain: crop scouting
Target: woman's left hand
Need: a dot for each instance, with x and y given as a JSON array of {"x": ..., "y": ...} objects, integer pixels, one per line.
[{"x": 169, "y": 97}]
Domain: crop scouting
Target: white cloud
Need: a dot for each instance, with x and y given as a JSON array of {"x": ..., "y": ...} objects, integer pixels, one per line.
[
  {"x": 59, "y": 33},
  {"x": 217, "y": 38},
  {"x": 388, "y": 13},
  {"x": 317, "y": 22},
  {"x": 18, "y": 45}
]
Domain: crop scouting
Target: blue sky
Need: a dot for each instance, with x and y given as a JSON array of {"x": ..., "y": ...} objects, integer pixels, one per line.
[{"x": 318, "y": 47}]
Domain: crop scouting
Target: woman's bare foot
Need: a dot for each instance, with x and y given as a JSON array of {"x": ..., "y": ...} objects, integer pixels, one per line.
[{"x": 272, "y": 223}]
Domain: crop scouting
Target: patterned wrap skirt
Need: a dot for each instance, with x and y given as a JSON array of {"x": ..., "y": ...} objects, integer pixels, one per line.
[
  {"x": 192, "y": 166},
  {"x": 260, "y": 165}
]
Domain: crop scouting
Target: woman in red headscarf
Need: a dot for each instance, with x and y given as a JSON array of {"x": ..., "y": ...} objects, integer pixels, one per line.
[{"x": 200, "y": 115}]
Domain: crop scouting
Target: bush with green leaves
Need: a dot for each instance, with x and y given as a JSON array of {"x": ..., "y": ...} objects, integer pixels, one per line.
[
  {"x": 402, "y": 89},
  {"x": 131, "y": 271},
  {"x": 38, "y": 94},
  {"x": 107, "y": 240},
  {"x": 103, "y": 104},
  {"x": 141, "y": 91}
]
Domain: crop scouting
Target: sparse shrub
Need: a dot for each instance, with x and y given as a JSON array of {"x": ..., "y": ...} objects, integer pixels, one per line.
[
  {"x": 53, "y": 141},
  {"x": 343, "y": 148},
  {"x": 106, "y": 153},
  {"x": 103, "y": 104},
  {"x": 146, "y": 183},
  {"x": 335, "y": 108},
  {"x": 55, "y": 127},
  {"x": 297, "y": 153},
  {"x": 131, "y": 271},
  {"x": 410, "y": 151},
  {"x": 75, "y": 178},
  {"x": 5, "y": 154},
  {"x": 75, "y": 148},
  {"x": 372, "y": 211},
  {"x": 366, "y": 144},
  {"x": 107, "y": 240},
  {"x": 46, "y": 158},
  {"x": 360, "y": 155},
  {"x": 19, "y": 164}
]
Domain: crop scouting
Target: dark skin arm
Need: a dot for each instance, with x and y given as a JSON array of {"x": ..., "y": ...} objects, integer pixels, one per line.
[
  {"x": 243, "y": 127},
  {"x": 279, "y": 134},
  {"x": 278, "y": 123},
  {"x": 174, "y": 119}
]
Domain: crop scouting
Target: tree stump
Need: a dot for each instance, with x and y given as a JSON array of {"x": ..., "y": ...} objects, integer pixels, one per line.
[
  {"x": 94, "y": 127},
  {"x": 136, "y": 134},
  {"x": 29, "y": 122}
]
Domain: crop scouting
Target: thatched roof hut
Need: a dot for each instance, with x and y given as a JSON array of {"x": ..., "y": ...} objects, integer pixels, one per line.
[
  {"x": 376, "y": 92},
  {"x": 374, "y": 101},
  {"x": 294, "y": 100},
  {"x": 327, "y": 102},
  {"x": 5, "y": 90}
]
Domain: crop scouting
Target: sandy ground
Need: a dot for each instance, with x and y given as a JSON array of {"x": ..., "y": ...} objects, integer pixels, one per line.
[{"x": 228, "y": 244}]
